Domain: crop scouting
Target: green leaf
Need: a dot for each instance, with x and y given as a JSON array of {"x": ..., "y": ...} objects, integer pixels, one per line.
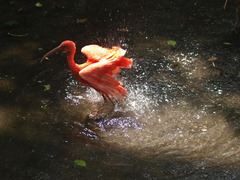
[
  {"x": 38, "y": 4},
  {"x": 45, "y": 106},
  {"x": 10, "y": 23},
  {"x": 47, "y": 87},
  {"x": 227, "y": 43},
  {"x": 80, "y": 163},
  {"x": 17, "y": 35},
  {"x": 171, "y": 42}
]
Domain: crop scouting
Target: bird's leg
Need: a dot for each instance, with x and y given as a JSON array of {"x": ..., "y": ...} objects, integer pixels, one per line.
[
  {"x": 95, "y": 114},
  {"x": 99, "y": 113},
  {"x": 106, "y": 99}
]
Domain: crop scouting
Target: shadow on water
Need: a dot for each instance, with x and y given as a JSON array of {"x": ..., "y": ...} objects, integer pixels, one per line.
[{"x": 181, "y": 119}]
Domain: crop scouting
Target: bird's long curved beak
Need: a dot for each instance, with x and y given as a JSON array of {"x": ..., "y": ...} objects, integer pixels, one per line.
[{"x": 49, "y": 53}]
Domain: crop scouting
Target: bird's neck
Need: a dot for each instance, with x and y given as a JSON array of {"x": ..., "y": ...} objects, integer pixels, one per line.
[{"x": 75, "y": 68}]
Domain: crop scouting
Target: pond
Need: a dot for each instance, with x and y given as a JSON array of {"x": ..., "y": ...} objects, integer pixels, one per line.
[{"x": 181, "y": 119}]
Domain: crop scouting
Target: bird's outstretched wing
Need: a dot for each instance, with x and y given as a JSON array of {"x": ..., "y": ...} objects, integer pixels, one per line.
[
  {"x": 95, "y": 53},
  {"x": 99, "y": 74}
]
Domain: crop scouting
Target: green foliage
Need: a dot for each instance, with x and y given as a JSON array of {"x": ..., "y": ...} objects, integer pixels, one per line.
[
  {"x": 45, "y": 107},
  {"x": 17, "y": 35},
  {"x": 172, "y": 42},
  {"x": 81, "y": 163},
  {"x": 227, "y": 43},
  {"x": 38, "y": 4},
  {"x": 47, "y": 87}
]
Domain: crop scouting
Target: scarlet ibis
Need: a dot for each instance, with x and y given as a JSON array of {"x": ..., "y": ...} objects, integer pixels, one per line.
[
  {"x": 237, "y": 8},
  {"x": 99, "y": 69}
]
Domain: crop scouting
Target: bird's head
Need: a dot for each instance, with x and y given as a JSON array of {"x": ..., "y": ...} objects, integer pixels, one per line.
[{"x": 68, "y": 46}]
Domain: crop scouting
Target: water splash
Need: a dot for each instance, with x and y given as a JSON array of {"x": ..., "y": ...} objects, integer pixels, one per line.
[{"x": 170, "y": 112}]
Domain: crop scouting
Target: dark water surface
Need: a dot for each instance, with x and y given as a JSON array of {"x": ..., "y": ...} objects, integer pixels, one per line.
[{"x": 180, "y": 121}]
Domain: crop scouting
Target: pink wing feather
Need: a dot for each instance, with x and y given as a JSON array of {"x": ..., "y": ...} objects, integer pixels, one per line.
[{"x": 105, "y": 64}]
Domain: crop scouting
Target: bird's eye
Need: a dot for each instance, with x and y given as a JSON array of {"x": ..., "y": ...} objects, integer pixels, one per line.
[{"x": 63, "y": 46}]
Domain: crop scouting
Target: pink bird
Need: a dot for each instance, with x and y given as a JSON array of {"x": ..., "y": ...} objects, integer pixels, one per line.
[{"x": 99, "y": 69}]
